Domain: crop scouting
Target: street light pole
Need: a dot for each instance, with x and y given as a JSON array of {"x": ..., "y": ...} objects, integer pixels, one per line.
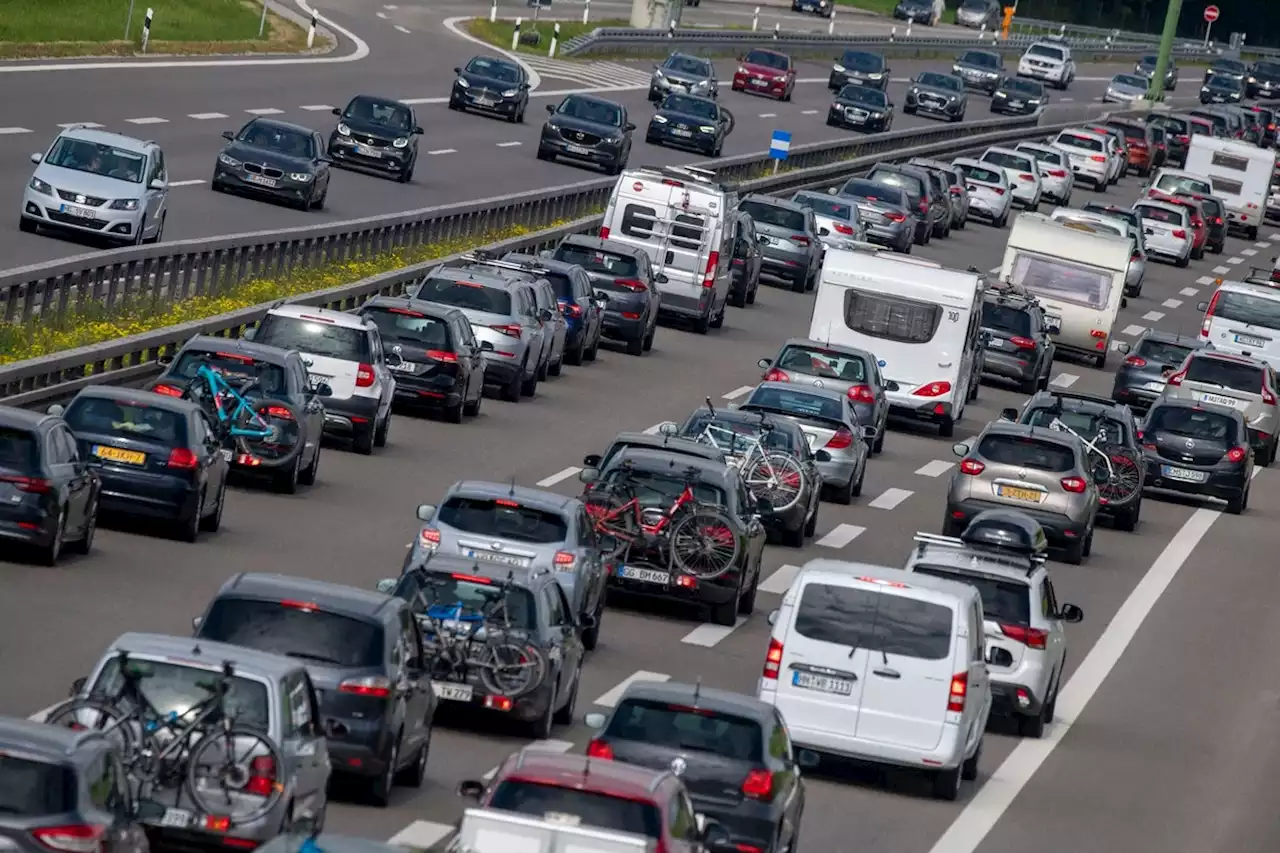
[{"x": 1155, "y": 91}]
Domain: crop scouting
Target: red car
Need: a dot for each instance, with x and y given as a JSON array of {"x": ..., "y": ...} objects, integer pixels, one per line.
[
  {"x": 766, "y": 72},
  {"x": 1198, "y": 220}
]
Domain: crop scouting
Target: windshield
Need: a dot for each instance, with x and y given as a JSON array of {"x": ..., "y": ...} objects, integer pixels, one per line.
[
  {"x": 661, "y": 488},
  {"x": 1236, "y": 375},
  {"x": 1231, "y": 66},
  {"x": 1084, "y": 424},
  {"x": 854, "y": 618},
  {"x": 575, "y": 806},
  {"x": 236, "y": 369},
  {"x": 1262, "y": 66},
  {"x": 130, "y": 419},
  {"x": 1247, "y": 308},
  {"x": 1148, "y": 61},
  {"x": 439, "y": 593},
  {"x": 35, "y": 789},
  {"x": 1131, "y": 80},
  {"x": 316, "y": 337},
  {"x": 1006, "y": 602},
  {"x": 700, "y": 107},
  {"x": 1074, "y": 140},
  {"x": 282, "y": 140},
  {"x": 465, "y": 294},
  {"x": 771, "y": 214},
  {"x": 1162, "y": 352},
  {"x": 1006, "y": 318},
  {"x": 1030, "y": 88},
  {"x": 406, "y": 326},
  {"x": 690, "y": 65},
  {"x": 800, "y": 404},
  {"x": 686, "y": 729},
  {"x": 19, "y": 450},
  {"x": 591, "y": 110},
  {"x": 736, "y": 436},
  {"x": 1211, "y": 206},
  {"x": 296, "y": 629},
  {"x": 1022, "y": 452},
  {"x": 599, "y": 261},
  {"x": 986, "y": 176},
  {"x": 986, "y": 60},
  {"x": 813, "y": 361},
  {"x": 1046, "y": 51},
  {"x": 388, "y": 114},
  {"x": 97, "y": 158},
  {"x": 1057, "y": 278},
  {"x": 1187, "y": 422},
  {"x": 767, "y": 59},
  {"x": 174, "y": 687},
  {"x": 1007, "y": 161},
  {"x": 863, "y": 95},
  {"x": 494, "y": 69},
  {"x": 825, "y": 205},
  {"x": 856, "y": 60},
  {"x": 939, "y": 81},
  {"x": 874, "y": 191},
  {"x": 503, "y": 518},
  {"x": 1222, "y": 81}
]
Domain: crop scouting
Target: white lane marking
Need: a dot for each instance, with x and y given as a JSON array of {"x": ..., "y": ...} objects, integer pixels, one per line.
[
  {"x": 382, "y": 15},
  {"x": 808, "y": 112},
  {"x": 709, "y": 635},
  {"x": 611, "y": 697},
  {"x": 768, "y": 115},
  {"x": 420, "y": 835},
  {"x": 841, "y": 535},
  {"x": 936, "y": 468},
  {"x": 1172, "y": 303},
  {"x": 738, "y": 392},
  {"x": 1065, "y": 100},
  {"x": 780, "y": 581},
  {"x": 190, "y": 183},
  {"x": 39, "y": 716},
  {"x": 316, "y": 108},
  {"x": 1248, "y": 253},
  {"x": 444, "y": 151},
  {"x": 1235, "y": 259},
  {"x": 1133, "y": 329},
  {"x": 1261, "y": 245},
  {"x": 206, "y": 116},
  {"x": 1189, "y": 291},
  {"x": 558, "y": 477},
  {"x": 402, "y": 29},
  {"x": 1153, "y": 316},
  {"x": 1205, "y": 279},
  {"x": 653, "y": 430},
  {"x": 540, "y": 746},
  {"x": 1273, "y": 237},
  {"x": 510, "y": 144},
  {"x": 1221, "y": 270},
  {"x": 88, "y": 125},
  {"x": 265, "y": 111},
  {"x": 1064, "y": 380},
  {"x": 993, "y": 799},
  {"x": 391, "y": 7},
  {"x": 148, "y": 120},
  {"x": 890, "y": 498}
]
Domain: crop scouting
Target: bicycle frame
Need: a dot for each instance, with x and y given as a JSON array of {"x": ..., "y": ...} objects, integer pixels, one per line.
[
  {"x": 633, "y": 506},
  {"x": 1091, "y": 446},
  {"x": 220, "y": 388}
]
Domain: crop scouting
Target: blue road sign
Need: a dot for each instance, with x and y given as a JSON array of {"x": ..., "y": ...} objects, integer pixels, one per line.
[{"x": 780, "y": 144}]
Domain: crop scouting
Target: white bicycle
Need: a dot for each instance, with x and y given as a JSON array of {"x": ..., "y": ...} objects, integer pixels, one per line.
[
  {"x": 1123, "y": 478},
  {"x": 771, "y": 474}
]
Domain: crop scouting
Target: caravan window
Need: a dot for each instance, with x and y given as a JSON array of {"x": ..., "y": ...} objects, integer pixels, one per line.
[
  {"x": 1227, "y": 186},
  {"x": 1062, "y": 279},
  {"x": 891, "y": 317}
]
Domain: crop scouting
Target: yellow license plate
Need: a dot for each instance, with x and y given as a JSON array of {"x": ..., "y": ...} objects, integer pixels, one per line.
[
  {"x": 115, "y": 454},
  {"x": 1017, "y": 494}
]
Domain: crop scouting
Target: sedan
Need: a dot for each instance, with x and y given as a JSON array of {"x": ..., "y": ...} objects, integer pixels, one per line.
[
  {"x": 376, "y": 135},
  {"x": 1221, "y": 89},
  {"x": 766, "y": 72},
  {"x": 862, "y": 108},
  {"x": 886, "y": 212},
  {"x": 941, "y": 95},
  {"x": 1019, "y": 97},
  {"x": 587, "y": 129},
  {"x": 491, "y": 84},
  {"x": 683, "y": 74},
  {"x": 980, "y": 69},
  {"x": 923, "y": 11},
  {"x": 1146, "y": 68},
  {"x": 275, "y": 160},
  {"x": 687, "y": 121}
]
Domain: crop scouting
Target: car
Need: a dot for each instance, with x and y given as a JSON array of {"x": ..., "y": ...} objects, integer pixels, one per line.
[
  {"x": 990, "y": 195},
  {"x": 1123, "y": 222},
  {"x": 862, "y": 67},
  {"x": 720, "y": 742},
  {"x": 932, "y": 212},
  {"x": 587, "y": 129},
  {"x": 1227, "y": 67},
  {"x": 1198, "y": 221},
  {"x": 1213, "y": 210},
  {"x": 100, "y": 184},
  {"x": 792, "y": 247},
  {"x": 1126, "y": 89},
  {"x": 269, "y": 693},
  {"x": 1167, "y": 228},
  {"x": 442, "y": 365},
  {"x": 748, "y": 260},
  {"x": 1264, "y": 79},
  {"x": 927, "y": 12},
  {"x": 1110, "y": 434},
  {"x": 530, "y": 604},
  {"x": 1140, "y": 145},
  {"x": 665, "y": 440},
  {"x": 840, "y": 444},
  {"x": 491, "y": 84},
  {"x": 623, "y": 275},
  {"x": 363, "y": 652},
  {"x": 1020, "y": 343},
  {"x": 683, "y": 73},
  {"x": 688, "y": 121},
  {"x": 1023, "y": 173},
  {"x": 157, "y": 457},
  {"x": 1267, "y": 120},
  {"x": 1246, "y": 384},
  {"x": 862, "y": 108},
  {"x": 582, "y": 309},
  {"x": 60, "y": 781},
  {"x": 1018, "y": 97},
  {"x": 953, "y": 187},
  {"x": 262, "y": 374},
  {"x": 1159, "y": 144},
  {"x": 886, "y": 210},
  {"x": 1148, "y": 364},
  {"x": 49, "y": 493},
  {"x": 1177, "y": 133},
  {"x": 822, "y": 8},
  {"x": 1146, "y": 68},
  {"x": 980, "y": 69},
  {"x": 1056, "y": 177},
  {"x": 1253, "y": 124},
  {"x": 274, "y": 160},
  {"x": 1221, "y": 89},
  {"x": 765, "y": 72},
  {"x": 1198, "y": 451},
  {"x": 1120, "y": 142},
  {"x": 376, "y": 135},
  {"x": 837, "y": 219},
  {"x": 1013, "y": 466},
  {"x": 936, "y": 94},
  {"x": 1001, "y": 554},
  {"x": 1050, "y": 61},
  {"x": 979, "y": 13},
  {"x": 1220, "y": 124},
  {"x": 1090, "y": 156},
  {"x": 659, "y": 477}
]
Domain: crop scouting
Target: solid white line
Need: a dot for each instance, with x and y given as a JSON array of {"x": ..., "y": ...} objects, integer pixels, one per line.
[
  {"x": 191, "y": 183},
  {"x": 780, "y": 581},
  {"x": 88, "y": 125},
  {"x": 265, "y": 111},
  {"x": 39, "y": 716},
  {"x": 1205, "y": 279},
  {"x": 610, "y": 698},
  {"x": 1248, "y": 253},
  {"x": 206, "y": 116},
  {"x": 420, "y": 835},
  {"x": 511, "y": 144},
  {"x": 768, "y": 115},
  {"x": 1273, "y": 236},
  {"x": 1133, "y": 329},
  {"x": 709, "y": 635},
  {"x": 1172, "y": 303},
  {"x": 739, "y": 392},
  {"x": 539, "y": 746},
  {"x": 1064, "y": 380},
  {"x": 993, "y": 799},
  {"x": 444, "y": 151},
  {"x": 841, "y": 535},
  {"x": 147, "y": 120},
  {"x": 1189, "y": 291},
  {"x": 936, "y": 468},
  {"x": 402, "y": 29},
  {"x": 1235, "y": 259},
  {"x": 316, "y": 108},
  {"x": 890, "y": 498},
  {"x": 1153, "y": 316},
  {"x": 558, "y": 477}
]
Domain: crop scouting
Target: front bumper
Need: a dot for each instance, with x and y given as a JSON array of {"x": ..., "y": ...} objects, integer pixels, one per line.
[
  {"x": 769, "y": 86},
  {"x": 601, "y": 154},
  {"x": 239, "y": 183},
  {"x": 668, "y": 134},
  {"x": 1053, "y": 75},
  {"x": 1012, "y": 106},
  {"x": 931, "y": 106},
  {"x": 388, "y": 160},
  {"x": 980, "y": 82},
  {"x": 856, "y": 119},
  {"x": 53, "y": 212},
  {"x": 483, "y": 100}
]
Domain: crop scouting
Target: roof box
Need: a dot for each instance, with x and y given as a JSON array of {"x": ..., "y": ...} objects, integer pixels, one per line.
[{"x": 1007, "y": 530}]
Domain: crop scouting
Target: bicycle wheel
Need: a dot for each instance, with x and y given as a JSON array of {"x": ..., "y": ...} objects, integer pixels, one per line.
[
  {"x": 510, "y": 666},
  {"x": 1125, "y": 479},
  {"x": 280, "y": 439},
  {"x": 235, "y": 773},
  {"x": 703, "y": 543},
  {"x": 616, "y": 532},
  {"x": 81, "y": 714},
  {"x": 776, "y": 476}
]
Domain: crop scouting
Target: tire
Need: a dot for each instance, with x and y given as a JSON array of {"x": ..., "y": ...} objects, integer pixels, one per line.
[
  {"x": 73, "y": 710},
  {"x": 635, "y": 346},
  {"x": 362, "y": 441},
  {"x": 27, "y": 226},
  {"x": 380, "y": 431},
  {"x": 544, "y": 370},
  {"x": 473, "y": 409},
  {"x": 702, "y": 325},
  {"x": 1239, "y": 503},
  {"x": 557, "y": 368},
  {"x": 969, "y": 769},
  {"x": 793, "y": 538},
  {"x": 308, "y": 477},
  {"x": 1181, "y": 263},
  {"x": 511, "y": 391},
  {"x": 218, "y": 744},
  {"x": 286, "y": 482},
  {"x": 84, "y": 544},
  {"x": 946, "y": 784},
  {"x": 800, "y": 283},
  {"x": 379, "y": 789},
  {"x": 811, "y": 528},
  {"x": 416, "y": 773},
  {"x": 517, "y": 666},
  {"x": 189, "y": 528},
  {"x": 453, "y": 414},
  {"x": 747, "y": 601},
  {"x": 591, "y": 638},
  {"x": 717, "y": 322},
  {"x": 843, "y": 494},
  {"x": 564, "y": 716},
  {"x": 1032, "y": 727},
  {"x": 725, "y": 614},
  {"x": 947, "y": 428},
  {"x": 878, "y": 447},
  {"x": 50, "y": 553},
  {"x": 574, "y": 356},
  {"x": 279, "y": 458},
  {"x": 529, "y": 387},
  {"x": 647, "y": 344},
  {"x": 770, "y": 469},
  {"x": 1074, "y": 553}
]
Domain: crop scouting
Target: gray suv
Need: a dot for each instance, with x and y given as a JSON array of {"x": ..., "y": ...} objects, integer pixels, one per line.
[
  {"x": 790, "y": 239},
  {"x": 1038, "y": 471},
  {"x": 683, "y": 74}
]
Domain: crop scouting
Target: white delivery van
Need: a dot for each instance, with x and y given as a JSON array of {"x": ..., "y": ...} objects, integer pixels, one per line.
[
  {"x": 922, "y": 321},
  {"x": 493, "y": 831},
  {"x": 1244, "y": 318},
  {"x": 1240, "y": 173},
  {"x": 678, "y": 217},
  {"x": 881, "y": 665},
  {"x": 1078, "y": 274}
]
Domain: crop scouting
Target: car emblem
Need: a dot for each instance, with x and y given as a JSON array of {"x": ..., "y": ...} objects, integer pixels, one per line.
[
  {"x": 817, "y": 383},
  {"x": 678, "y": 766},
  {"x": 497, "y": 546},
  {"x": 80, "y": 199},
  {"x": 1190, "y": 444},
  {"x": 1022, "y": 473},
  {"x": 397, "y": 349},
  {"x": 580, "y": 136}
]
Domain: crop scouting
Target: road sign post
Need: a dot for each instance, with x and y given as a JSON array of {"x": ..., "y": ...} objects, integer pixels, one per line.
[
  {"x": 1210, "y": 15},
  {"x": 779, "y": 147}
]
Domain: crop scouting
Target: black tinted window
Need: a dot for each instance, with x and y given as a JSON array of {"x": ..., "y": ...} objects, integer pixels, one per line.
[
  {"x": 19, "y": 450},
  {"x": 591, "y": 809},
  {"x": 890, "y": 317},
  {"x": 291, "y": 143},
  {"x": 598, "y": 261},
  {"x": 1005, "y": 318},
  {"x": 503, "y": 518},
  {"x": 494, "y": 69},
  {"x": 681, "y": 728},
  {"x": 1002, "y": 601},
  {"x": 1027, "y": 453},
  {"x": 561, "y": 284},
  {"x": 591, "y": 110},
  {"x": 660, "y": 489},
  {"x": 411, "y": 327},
  {"x": 734, "y": 436},
  {"x": 986, "y": 176},
  {"x": 466, "y": 294},
  {"x": 873, "y": 191},
  {"x": 1084, "y": 424},
  {"x": 912, "y": 185},
  {"x": 173, "y": 687},
  {"x": 863, "y": 95},
  {"x": 699, "y": 107},
  {"x": 688, "y": 65},
  {"x": 235, "y": 369},
  {"x": 858, "y": 619},
  {"x": 394, "y": 117},
  {"x": 1239, "y": 376},
  {"x": 35, "y": 789},
  {"x": 986, "y": 60},
  {"x": 295, "y": 629},
  {"x": 1201, "y": 424},
  {"x": 318, "y": 337},
  {"x": 1029, "y": 88},
  {"x": 825, "y": 205},
  {"x": 1161, "y": 352},
  {"x": 1247, "y": 308},
  {"x": 127, "y": 419},
  {"x": 1008, "y": 161},
  {"x": 442, "y": 594},
  {"x": 770, "y": 214},
  {"x": 798, "y": 403},
  {"x": 859, "y": 61},
  {"x": 939, "y": 81}
]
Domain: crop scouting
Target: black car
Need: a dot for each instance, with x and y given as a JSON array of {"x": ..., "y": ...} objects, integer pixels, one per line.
[
  {"x": 491, "y": 84},
  {"x": 980, "y": 69},
  {"x": 859, "y": 66},
  {"x": 688, "y": 121},
  {"x": 732, "y": 752},
  {"x": 862, "y": 108},
  {"x": 665, "y": 440},
  {"x": 1018, "y": 96},
  {"x": 932, "y": 212},
  {"x": 823, "y": 8},
  {"x": 158, "y": 457},
  {"x": 376, "y": 135},
  {"x": 1233, "y": 68},
  {"x": 1019, "y": 341},
  {"x": 364, "y": 654},
  {"x": 1267, "y": 117},
  {"x": 922, "y": 11},
  {"x": 1146, "y": 67},
  {"x": 442, "y": 363},
  {"x": 1148, "y": 363},
  {"x": 1215, "y": 220},
  {"x": 1221, "y": 89},
  {"x": 276, "y": 160},
  {"x": 1177, "y": 136},
  {"x": 582, "y": 309},
  {"x": 1110, "y": 434},
  {"x": 587, "y": 129},
  {"x": 657, "y": 478},
  {"x": 936, "y": 94},
  {"x": 748, "y": 260},
  {"x": 48, "y": 492},
  {"x": 277, "y": 374},
  {"x": 1198, "y": 450},
  {"x": 621, "y": 274},
  {"x": 1264, "y": 79}
]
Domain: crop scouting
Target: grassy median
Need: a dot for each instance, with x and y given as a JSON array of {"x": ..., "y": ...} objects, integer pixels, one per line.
[
  {"x": 65, "y": 28},
  {"x": 500, "y": 32}
]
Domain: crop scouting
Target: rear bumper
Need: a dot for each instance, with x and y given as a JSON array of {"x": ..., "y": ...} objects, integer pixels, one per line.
[
  {"x": 837, "y": 472},
  {"x": 347, "y": 416},
  {"x": 1008, "y": 366},
  {"x": 1015, "y": 699},
  {"x": 363, "y": 747},
  {"x": 619, "y": 328},
  {"x": 1219, "y": 485},
  {"x": 719, "y": 591},
  {"x": 501, "y": 369},
  {"x": 688, "y": 306},
  {"x": 947, "y": 755},
  {"x": 126, "y": 495},
  {"x": 749, "y": 823},
  {"x": 1137, "y": 398}
]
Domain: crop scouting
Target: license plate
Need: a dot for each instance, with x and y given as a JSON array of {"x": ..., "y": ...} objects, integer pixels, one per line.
[
  {"x": 404, "y": 367},
  {"x": 809, "y": 681},
  {"x": 115, "y": 454},
  {"x": 857, "y": 115},
  {"x": 646, "y": 575},
  {"x": 1182, "y": 474},
  {"x": 1016, "y": 104},
  {"x": 678, "y": 132},
  {"x": 1154, "y": 386},
  {"x": 72, "y": 210},
  {"x": 1017, "y": 494},
  {"x": 486, "y": 102},
  {"x": 491, "y": 557},
  {"x": 1220, "y": 400},
  {"x": 452, "y": 692},
  {"x": 260, "y": 180},
  {"x": 756, "y": 81},
  {"x": 1250, "y": 341},
  {"x": 577, "y": 149},
  {"x": 366, "y": 151},
  {"x": 227, "y": 454},
  {"x": 176, "y": 818},
  {"x": 995, "y": 344}
]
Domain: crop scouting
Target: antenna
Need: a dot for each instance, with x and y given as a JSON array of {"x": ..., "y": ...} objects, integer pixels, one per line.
[
  {"x": 710, "y": 407},
  {"x": 511, "y": 491},
  {"x": 697, "y": 691}
]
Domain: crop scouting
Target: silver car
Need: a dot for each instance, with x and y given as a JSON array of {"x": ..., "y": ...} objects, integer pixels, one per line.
[
  {"x": 98, "y": 183},
  {"x": 1125, "y": 89},
  {"x": 682, "y": 73},
  {"x": 979, "y": 13},
  {"x": 886, "y": 211},
  {"x": 838, "y": 219},
  {"x": 1238, "y": 382},
  {"x": 791, "y": 248}
]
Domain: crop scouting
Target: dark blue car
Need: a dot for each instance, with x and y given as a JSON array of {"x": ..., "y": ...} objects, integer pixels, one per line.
[{"x": 583, "y": 312}]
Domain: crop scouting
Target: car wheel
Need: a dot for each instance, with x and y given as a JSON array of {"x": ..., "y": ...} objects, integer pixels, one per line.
[
  {"x": 1074, "y": 553},
  {"x": 946, "y": 784},
  {"x": 473, "y": 408},
  {"x": 211, "y": 522},
  {"x": 635, "y": 346},
  {"x": 529, "y": 387},
  {"x": 702, "y": 324},
  {"x": 84, "y": 544},
  {"x": 27, "y": 226},
  {"x": 189, "y": 527},
  {"x": 969, "y": 770},
  {"x": 544, "y": 370},
  {"x": 1032, "y": 726},
  {"x": 381, "y": 430},
  {"x": 812, "y": 526},
  {"x": 1127, "y": 520},
  {"x": 565, "y": 715},
  {"x": 725, "y": 614},
  {"x": 718, "y": 321},
  {"x": 453, "y": 414},
  {"x": 591, "y": 637},
  {"x": 1182, "y": 262},
  {"x": 416, "y": 773},
  {"x": 511, "y": 391},
  {"x": 287, "y": 482},
  {"x": 541, "y": 728},
  {"x": 380, "y": 788},
  {"x": 362, "y": 442},
  {"x": 1240, "y": 502},
  {"x": 574, "y": 356},
  {"x": 747, "y": 601},
  {"x": 308, "y": 477},
  {"x": 947, "y": 427},
  {"x": 878, "y": 447},
  {"x": 556, "y": 368}
]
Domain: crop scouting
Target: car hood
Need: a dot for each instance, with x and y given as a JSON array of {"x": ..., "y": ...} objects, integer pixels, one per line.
[
  {"x": 971, "y": 66},
  {"x": 486, "y": 82},
  {"x": 683, "y": 77},
  {"x": 373, "y": 130},
  {"x": 1269, "y": 76},
  {"x": 266, "y": 156},
  {"x": 87, "y": 183},
  {"x": 1016, "y": 95},
  {"x": 763, "y": 70},
  {"x": 934, "y": 90},
  {"x": 1125, "y": 88},
  {"x": 569, "y": 123}
]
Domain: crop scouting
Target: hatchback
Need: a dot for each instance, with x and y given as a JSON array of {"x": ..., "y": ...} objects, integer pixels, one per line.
[
  {"x": 1148, "y": 364},
  {"x": 989, "y": 192},
  {"x": 1168, "y": 231},
  {"x": 683, "y": 73},
  {"x": 953, "y": 185},
  {"x": 376, "y": 135},
  {"x": 1238, "y": 382},
  {"x": 1214, "y": 212},
  {"x": 1198, "y": 221},
  {"x": 622, "y": 276},
  {"x": 837, "y": 219},
  {"x": 1022, "y": 172},
  {"x": 791, "y": 245},
  {"x": 1020, "y": 343},
  {"x": 1088, "y": 154},
  {"x": 1193, "y": 450},
  {"x": 581, "y": 308},
  {"x": 1055, "y": 170},
  {"x": 931, "y": 212}
]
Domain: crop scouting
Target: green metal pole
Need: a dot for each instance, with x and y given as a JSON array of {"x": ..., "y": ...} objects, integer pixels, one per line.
[{"x": 1155, "y": 92}]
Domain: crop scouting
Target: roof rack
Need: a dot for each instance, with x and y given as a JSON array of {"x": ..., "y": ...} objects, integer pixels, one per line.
[
  {"x": 490, "y": 259},
  {"x": 1087, "y": 398},
  {"x": 923, "y": 540}
]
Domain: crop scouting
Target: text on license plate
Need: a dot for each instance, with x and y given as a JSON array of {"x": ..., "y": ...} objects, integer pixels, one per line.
[
  {"x": 1017, "y": 494},
  {"x": 366, "y": 151},
  {"x": 1219, "y": 400},
  {"x": 116, "y": 454},
  {"x": 72, "y": 210},
  {"x": 995, "y": 343},
  {"x": 260, "y": 180},
  {"x": 756, "y": 81},
  {"x": 177, "y": 818},
  {"x": 490, "y": 557},
  {"x": 577, "y": 149},
  {"x": 1186, "y": 476},
  {"x": 1154, "y": 386},
  {"x": 404, "y": 367},
  {"x": 823, "y": 683},
  {"x": 646, "y": 575},
  {"x": 486, "y": 102},
  {"x": 1250, "y": 341},
  {"x": 452, "y": 692},
  {"x": 679, "y": 132},
  {"x": 1015, "y": 103}
]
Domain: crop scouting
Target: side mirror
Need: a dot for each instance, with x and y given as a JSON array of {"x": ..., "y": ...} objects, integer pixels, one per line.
[
  {"x": 602, "y": 304},
  {"x": 1202, "y": 306},
  {"x": 37, "y": 157},
  {"x": 457, "y": 69},
  {"x": 1000, "y": 657},
  {"x": 471, "y": 789},
  {"x": 1070, "y": 613},
  {"x": 764, "y": 363},
  {"x": 249, "y": 333},
  {"x": 393, "y": 359},
  {"x": 824, "y": 232},
  {"x": 630, "y": 127},
  {"x": 772, "y": 619},
  {"x": 418, "y": 131},
  {"x": 158, "y": 185},
  {"x": 661, "y": 278},
  {"x": 426, "y": 512},
  {"x": 668, "y": 428},
  {"x": 55, "y": 409},
  {"x": 551, "y": 108},
  {"x": 960, "y": 448},
  {"x": 1123, "y": 347},
  {"x": 595, "y": 720},
  {"x": 544, "y": 315},
  {"x": 588, "y": 475},
  {"x": 822, "y": 456},
  {"x": 338, "y": 110},
  {"x": 486, "y": 346},
  {"x": 323, "y": 390},
  {"x": 1009, "y": 414},
  {"x": 591, "y": 460},
  {"x": 77, "y": 686},
  {"x": 196, "y": 622},
  {"x": 762, "y": 239},
  {"x": 228, "y": 135},
  {"x": 386, "y": 586}
]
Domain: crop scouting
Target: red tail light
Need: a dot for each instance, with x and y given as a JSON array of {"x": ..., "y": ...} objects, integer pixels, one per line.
[
  {"x": 1197, "y": 223},
  {"x": 842, "y": 439},
  {"x": 1179, "y": 233},
  {"x": 998, "y": 190},
  {"x": 1022, "y": 343},
  {"x": 1267, "y": 396},
  {"x": 1057, "y": 173},
  {"x": 277, "y": 412},
  {"x": 635, "y": 285},
  {"x": 167, "y": 390},
  {"x": 972, "y": 467},
  {"x": 776, "y": 375},
  {"x": 1182, "y": 139},
  {"x": 1075, "y": 485},
  {"x": 1135, "y": 257},
  {"x": 1217, "y": 220},
  {"x": 564, "y": 558},
  {"x": 955, "y": 191},
  {"x": 1208, "y": 315},
  {"x": 709, "y": 277},
  {"x": 861, "y": 394},
  {"x": 262, "y": 776},
  {"x": 1237, "y": 454},
  {"x": 442, "y": 355},
  {"x": 571, "y": 309},
  {"x": 896, "y": 217},
  {"x": 923, "y": 207},
  {"x": 181, "y": 457},
  {"x": 1098, "y": 158},
  {"x": 846, "y": 230},
  {"x": 599, "y": 749},
  {"x": 799, "y": 241},
  {"x": 1176, "y": 379},
  {"x": 1142, "y": 146},
  {"x": 511, "y": 330},
  {"x": 1025, "y": 177},
  {"x": 71, "y": 838},
  {"x": 1135, "y": 361},
  {"x": 30, "y": 485},
  {"x": 959, "y": 689},
  {"x": 773, "y": 660},
  {"x": 758, "y": 785},
  {"x": 374, "y": 686},
  {"x": 364, "y": 376},
  {"x": 932, "y": 389},
  {"x": 604, "y": 232},
  {"x": 1031, "y": 637}
]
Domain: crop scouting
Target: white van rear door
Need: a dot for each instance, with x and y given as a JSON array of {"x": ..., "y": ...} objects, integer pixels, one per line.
[{"x": 674, "y": 225}]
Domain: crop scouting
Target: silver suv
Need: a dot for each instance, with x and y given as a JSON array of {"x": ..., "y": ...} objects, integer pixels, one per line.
[
  {"x": 1035, "y": 470},
  {"x": 101, "y": 183},
  {"x": 1238, "y": 382},
  {"x": 789, "y": 237}
]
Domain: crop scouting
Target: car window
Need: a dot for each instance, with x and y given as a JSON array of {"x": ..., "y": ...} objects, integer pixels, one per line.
[
  {"x": 1026, "y": 452},
  {"x": 446, "y": 595},
  {"x": 874, "y": 191},
  {"x": 1247, "y": 308},
  {"x": 767, "y": 59},
  {"x": 274, "y": 137},
  {"x": 1030, "y": 88},
  {"x": 914, "y": 186},
  {"x": 1006, "y": 318},
  {"x": 296, "y": 711},
  {"x": 172, "y": 686},
  {"x": 388, "y": 114},
  {"x": 986, "y": 60},
  {"x": 1130, "y": 80},
  {"x": 732, "y": 435},
  {"x": 465, "y": 294},
  {"x": 939, "y": 81},
  {"x": 824, "y": 363},
  {"x": 298, "y": 629},
  {"x": 858, "y": 619},
  {"x": 503, "y": 518},
  {"x": 35, "y": 789},
  {"x": 653, "y": 488},
  {"x": 772, "y": 214},
  {"x": 1046, "y": 51},
  {"x": 19, "y": 450},
  {"x": 1060, "y": 279},
  {"x": 129, "y": 419},
  {"x": 700, "y": 107},
  {"x": 97, "y": 158},
  {"x": 1004, "y": 601},
  {"x": 315, "y": 336},
  {"x": 598, "y": 261},
  {"x": 1236, "y": 375},
  {"x": 1194, "y": 423},
  {"x": 686, "y": 729},
  {"x": 1162, "y": 214},
  {"x": 587, "y": 808},
  {"x": 981, "y": 175},
  {"x": 1173, "y": 184},
  {"x": 1076, "y": 140},
  {"x": 825, "y": 205},
  {"x": 1087, "y": 425},
  {"x": 591, "y": 110},
  {"x": 494, "y": 69},
  {"x": 1007, "y": 161},
  {"x": 856, "y": 60},
  {"x": 404, "y": 325},
  {"x": 798, "y": 403},
  {"x": 1162, "y": 352},
  {"x": 235, "y": 369},
  {"x": 688, "y": 65}
]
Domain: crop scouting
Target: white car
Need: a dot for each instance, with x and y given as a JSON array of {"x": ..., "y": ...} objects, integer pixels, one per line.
[
  {"x": 1168, "y": 230},
  {"x": 1022, "y": 172},
  {"x": 1087, "y": 153},
  {"x": 1049, "y": 61},
  {"x": 1055, "y": 170},
  {"x": 989, "y": 193}
]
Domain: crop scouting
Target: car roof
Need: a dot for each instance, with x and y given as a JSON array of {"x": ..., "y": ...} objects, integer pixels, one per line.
[
  {"x": 738, "y": 416},
  {"x": 591, "y": 241},
  {"x": 53, "y": 743},
  {"x": 669, "y": 443},
  {"x": 463, "y": 270},
  {"x": 986, "y": 561},
  {"x": 825, "y": 347},
  {"x": 1083, "y": 131},
  {"x": 548, "y": 264},
  {"x": 711, "y": 470},
  {"x": 191, "y": 650},
  {"x": 812, "y": 390},
  {"x": 282, "y": 125},
  {"x": 539, "y": 498},
  {"x": 129, "y": 395},
  {"x": 236, "y": 346},
  {"x": 106, "y": 137},
  {"x": 1172, "y": 338},
  {"x": 422, "y": 306},
  {"x": 699, "y": 697},
  {"x": 774, "y": 201},
  {"x": 841, "y": 572},
  {"x": 324, "y": 315},
  {"x": 583, "y": 773},
  {"x": 1160, "y": 204},
  {"x": 331, "y": 597},
  {"x": 26, "y": 419},
  {"x": 1017, "y": 430},
  {"x": 1000, "y": 149}
]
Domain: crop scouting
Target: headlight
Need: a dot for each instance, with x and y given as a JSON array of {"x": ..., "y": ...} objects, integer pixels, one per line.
[
  {"x": 1111, "y": 93},
  {"x": 657, "y": 72},
  {"x": 300, "y": 177},
  {"x": 401, "y": 142},
  {"x": 1204, "y": 88},
  {"x": 660, "y": 119},
  {"x": 228, "y": 161},
  {"x": 701, "y": 84},
  {"x": 40, "y": 186},
  {"x": 1251, "y": 80},
  {"x": 124, "y": 204},
  {"x": 344, "y": 130},
  {"x": 741, "y": 70},
  {"x": 1001, "y": 95},
  {"x": 510, "y": 93},
  {"x": 463, "y": 83},
  {"x": 875, "y": 76},
  {"x": 707, "y": 128},
  {"x": 955, "y": 68},
  {"x": 838, "y": 68},
  {"x": 781, "y": 78},
  {"x": 915, "y": 90}
]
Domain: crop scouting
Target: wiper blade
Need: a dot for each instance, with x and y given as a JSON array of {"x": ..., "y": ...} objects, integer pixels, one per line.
[{"x": 310, "y": 656}]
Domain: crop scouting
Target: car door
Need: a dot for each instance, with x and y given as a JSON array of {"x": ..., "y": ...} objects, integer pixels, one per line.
[
  {"x": 466, "y": 351},
  {"x": 592, "y": 574},
  {"x": 303, "y": 743},
  {"x": 303, "y": 394},
  {"x": 211, "y": 457},
  {"x": 527, "y": 307},
  {"x": 1057, "y": 631},
  {"x": 419, "y": 699},
  {"x": 71, "y": 469},
  {"x": 155, "y": 199},
  {"x": 320, "y": 162},
  {"x": 386, "y": 377},
  {"x": 565, "y": 649}
]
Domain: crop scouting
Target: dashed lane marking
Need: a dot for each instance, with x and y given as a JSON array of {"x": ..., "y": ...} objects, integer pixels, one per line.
[
  {"x": 1133, "y": 329},
  {"x": 191, "y": 183},
  {"x": 556, "y": 746},
  {"x": 1205, "y": 279},
  {"x": 1235, "y": 259},
  {"x": 443, "y": 151},
  {"x": 382, "y": 15},
  {"x": 709, "y": 635},
  {"x": 420, "y": 835},
  {"x": 841, "y": 535},
  {"x": 768, "y": 115},
  {"x": 611, "y": 697},
  {"x": 559, "y": 477},
  {"x": 890, "y": 498},
  {"x": 265, "y": 111},
  {"x": 1248, "y": 253},
  {"x": 1262, "y": 245},
  {"x": 513, "y": 143},
  {"x": 1221, "y": 270},
  {"x": 87, "y": 125},
  {"x": 148, "y": 120},
  {"x": 401, "y": 29},
  {"x": 13, "y": 131},
  {"x": 1064, "y": 380},
  {"x": 1189, "y": 291},
  {"x": 809, "y": 112},
  {"x": 739, "y": 392},
  {"x": 317, "y": 108},
  {"x": 780, "y": 581},
  {"x": 1153, "y": 316},
  {"x": 1065, "y": 100},
  {"x": 206, "y": 116},
  {"x": 936, "y": 468},
  {"x": 1172, "y": 303}
]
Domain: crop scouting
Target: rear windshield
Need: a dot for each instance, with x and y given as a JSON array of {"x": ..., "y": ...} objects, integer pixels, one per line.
[
  {"x": 798, "y": 403},
  {"x": 824, "y": 363},
  {"x": 1130, "y": 131},
  {"x": 858, "y": 619},
  {"x": 35, "y": 788},
  {"x": 1025, "y": 452},
  {"x": 913, "y": 186},
  {"x": 236, "y": 369},
  {"x": 127, "y": 419},
  {"x": 441, "y": 594},
  {"x": 171, "y": 686},
  {"x": 316, "y": 337},
  {"x": 1087, "y": 425},
  {"x": 770, "y": 214},
  {"x": 1074, "y": 140},
  {"x": 465, "y": 294},
  {"x": 825, "y": 206},
  {"x": 1174, "y": 184},
  {"x": 403, "y": 325},
  {"x": 1008, "y": 161},
  {"x": 893, "y": 318},
  {"x": 1210, "y": 206},
  {"x": 1044, "y": 156},
  {"x": 734, "y": 436},
  {"x": 1162, "y": 352},
  {"x": 1006, "y": 318},
  {"x": 561, "y": 284},
  {"x": 654, "y": 488},
  {"x": 504, "y": 519},
  {"x": 1162, "y": 214},
  {"x": 1060, "y": 279},
  {"x": 978, "y": 173},
  {"x": 19, "y": 450},
  {"x": 289, "y": 628},
  {"x": 1265, "y": 67},
  {"x": 1247, "y": 308},
  {"x": 1238, "y": 376},
  {"x": 1006, "y": 602},
  {"x": 1202, "y": 424},
  {"x": 873, "y": 191},
  {"x": 599, "y": 261},
  {"x": 687, "y": 730},
  {"x": 573, "y": 806}
]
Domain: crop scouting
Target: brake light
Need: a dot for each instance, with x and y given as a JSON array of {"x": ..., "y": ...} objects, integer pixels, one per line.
[
  {"x": 955, "y": 191},
  {"x": 1208, "y": 314},
  {"x": 277, "y": 412},
  {"x": 1217, "y": 220},
  {"x": 1026, "y": 177},
  {"x": 30, "y": 485},
  {"x": 1267, "y": 396},
  {"x": 364, "y": 376},
  {"x": 635, "y": 285},
  {"x": 1176, "y": 379},
  {"x": 1097, "y": 333},
  {"x": 800, "y": 241},
  {"x": 1136, "y": 144},
  {"x": 861, "y": 394},
  {"x": 442, "y": 355},
  {"x": 181, "y": 457},
  {"x": 709, "y": 277},
  {"x": 959, "y": 689},
  {"x": 248, "y": 359},
  {"x": 773, "y": 660},
  {"x": 374, "y": 686},
  {"x": 923, "y": 207},
  {"x": 896, "y": 217},
  {"x": 1075, "y": 485},
  {"x": 599, "y": 749},
  {"x": 1197, "y": 223},
  {"x": 932, "y": 389},
  {"x": 1057, "y": 173},
  {"x": 1135, "y": 257},
  {"x": 842, "y": 439},
  {"x": 1179, "y": 233},
  {"x": 429, "y": 538},
  {"x": 564, "y": 558},
  {"x": 511, "y": 330},
  {"x": 406, "y": 312},
  {"x": 1182, "y": 139},
  {"x": 841, "y": 228},
  {"x": 1237, "y": 454},
  {"x": 262, "y": 776},
  {"x": 758, "y": 785},
  {"x": 1031, "y": 637},
  {"x": 998, "y": 190},
  {"x": 167, "y": 390},
  {"x": 972, "y": 467},
  {"x": 776, "y": 375},
  {"x": 307, "y": 606},
  {"x": 1135, "y": 361},
  {"x": 571, "y": 309},
  {"x": 604, "y": 232},
  {"x": 1098, "y": 158},
  {"x": 1022, "y": 343},
  {"x": 480, "y": 579},
  {"x": 72, "y": 838}
]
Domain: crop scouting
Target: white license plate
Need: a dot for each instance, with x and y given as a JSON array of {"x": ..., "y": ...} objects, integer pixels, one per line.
[
  {"x": 176, "y": 818},
  {"x": 452, "y": 692},
  {"x": 1016, "y": 104},
  {"x": 678, "y": 132},
  {"x": 1154, "y": 386},
  {"x": 1182, "y": 474},
  {"x": 227, "y": 454},
  {"x": 822, "y": 683},
  {"x": 80, "y": 212},
  {"x": 490, "y": 557},
  {"x": 486, "y": 102},
  {"x": 260, "y": 180},
  {"x": 857, "y": 115},
  {"x": 1250, "y": 341},
  {"x": 646, "y": 575},
  {"x": 995, "y": 344},
  {"x": 366, "y": 151},
  {"x": 404, "y": 367},
  {"x": 756, "y": 81},
  {"x": 1220, "y": 400},
  {"x": 577, "y": 149}
]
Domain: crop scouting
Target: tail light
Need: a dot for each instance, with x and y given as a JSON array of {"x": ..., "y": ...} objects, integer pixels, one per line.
[
  {"x": 972, "y": 467},
  {"x": 1022, "y": 343},
  {"x": 1237, "y": 454},
  {"x": 1208, "y": 314},
  {"x": 713, "y": 259},
  {"x": 1217, "y": 220},
  {"x": 429, "y": 538},
  {"x": 842, "y": 439},
  {"x": 1135, "y": 361},
  {"x": 776, "y": 375},
  {"x": 1075, "y": 485},
  {"x": 262, "y": 776},
  {"x": 1176, "y": 379},
  {"x": 1142, "y": 146},
  {"x": 998, "y": 190},
  {"x": 599, "y": 749},
  {"x": 1197, "y": 223},
  {"x": 1180, "y": 234},
  {"x": 604, "y": 232},
  {"x": 1033, "y": 638},
  {"x": 799, "y": 241},
  {"x": 635, "y": 285},
  {"x": 511, "y": 330},
  {"x": 860, "y": 394},
  {"x": 932, "y": 389},
  {"x": 181, "y": 457},
  {"x": 71, "y": 838},
  {"x": 1135, "y": 257},
  {"x": 955, "y": 191},
  {"x": 1182, "y": 139},
  {"x": 1025, "y": 177},
  {"x": 1267, "y": 396},
  {"x": 923, "y": 207},
  {"x": 277, "y": 412},
  {"x": 773, "y": 660},
  {"x": 1057, "y": 173},
  {"x": 364, "y": 376},
  {"x": 564, "y": 558},
  {"x": 1098, "y": 158},
  {"x": 959, "y": 689},
  {"x": 30, "y": 485},
  {"x": 846, "y": 230},
  {"x": 167, "y": 390},
  {"x": 442, "y": 355},
  {"x": 758, "y": 785},
  {"x": 572, "y": 309},
  {"x": 374, "y": 686},
  {"x": 896, "y": 217}
]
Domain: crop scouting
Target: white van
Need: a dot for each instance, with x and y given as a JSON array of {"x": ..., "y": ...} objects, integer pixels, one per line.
[
  {"x": 1244, "y": 318},
  {"x": 1078, "y": 273},
  {"x": 922, "y": 321},
  {"x": 677, "y": 216},
  {"x": 1241, "y": 176},
  {"x": 877, "y": 664}
]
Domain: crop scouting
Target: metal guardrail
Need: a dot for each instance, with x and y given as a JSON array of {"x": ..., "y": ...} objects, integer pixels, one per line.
[{"x": 1034, "y": 26}]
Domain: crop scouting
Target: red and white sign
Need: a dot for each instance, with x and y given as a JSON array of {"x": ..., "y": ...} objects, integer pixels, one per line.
[{"x": 1211, "y": 13}]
